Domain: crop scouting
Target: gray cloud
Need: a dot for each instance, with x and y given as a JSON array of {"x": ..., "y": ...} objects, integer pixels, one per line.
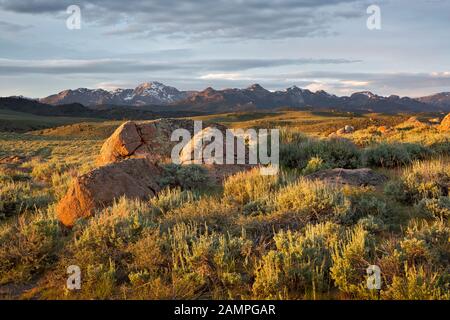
[
  {"x": 400, "y": 80},
  {"x": 11, "y": 27},
  {"x": 203, "y": 19}
]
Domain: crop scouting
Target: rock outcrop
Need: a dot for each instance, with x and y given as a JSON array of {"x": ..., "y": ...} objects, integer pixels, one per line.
[
  {"x": 133, "y": 178},
  {"x": 345, "y": 130},
  {"x": 354, "y": 177},
  {"x": 137, "y": 140},
  {"x": 130, "y": 165},
  {"x": 445, "y": 123},
  {"x": 149, "y": 139},
  {"x": 412, "y": 123}
]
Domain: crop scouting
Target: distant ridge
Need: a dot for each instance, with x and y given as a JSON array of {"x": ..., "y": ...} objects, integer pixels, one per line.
[
  {"x": 440, "y": 100},
  {"x": 145, "y": 94},
  {"x": 156, "y": 96}
]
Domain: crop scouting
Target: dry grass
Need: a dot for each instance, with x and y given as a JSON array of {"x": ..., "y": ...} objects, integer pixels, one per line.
[{"x": 278, "y": 237}]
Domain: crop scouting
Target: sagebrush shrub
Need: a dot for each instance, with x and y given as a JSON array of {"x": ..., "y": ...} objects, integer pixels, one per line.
[
  {"x": 99, "y": 281},
  {"x": 335, "y": 153},
  {"x": 417, "y": 283},
  {"x": 423, "y": 180},
  {"x": 18, "y": 196},
  {"x": 245, "y": 187},
  {"x": 313, "y": 200},
  {"x": 390, "y": 155},
  {"x": 291, "y": 135},
  {"x": 364, "y": 203},
  {"x": 29, "y": 246},
  {"x": 187, "y": 177},
  {"x": 351, "y": 257},
  {"x": 169, "y": 199},
  {"x": 299, "y": 265},
  {"x": 315, "y": 164},
  {"x": 219, "y": 262},
  {"x": 434, "y": 241},
  {"x": 105, "y": 236},
  {"x": 435, "y": 208}
]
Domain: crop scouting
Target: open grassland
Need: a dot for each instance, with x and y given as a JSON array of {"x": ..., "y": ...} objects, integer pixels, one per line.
[
  {"x": 305, "y": 121},
  {"x": 254, "y": 237},
  {"x": 13, "y": 121}
]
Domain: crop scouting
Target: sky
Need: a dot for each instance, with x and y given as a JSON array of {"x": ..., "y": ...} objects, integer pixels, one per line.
[{"x": 194, "y": 44}]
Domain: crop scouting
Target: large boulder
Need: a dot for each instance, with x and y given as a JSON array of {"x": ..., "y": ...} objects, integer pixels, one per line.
[
  {"x": 128, "y": 167},
  {"x": 200, "y": 148},
  {"x": 354, "y": 177},
  {"x": 150, "y": 139},
  {"x": 412, "y": 123},
  {"x": 133, "y": 178},
  {"x": 445, "y": 123}
]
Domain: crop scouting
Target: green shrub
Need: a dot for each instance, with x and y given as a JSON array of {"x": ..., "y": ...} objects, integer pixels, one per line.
[
  {"x": 423, "y": 180},
  {"x": 417, "y": 284},
  {"x": 435, "y": 208},
  {"x": 218, "y": 214},
  {"x": 245, "y": 187},
  {"x": 432, "y": 238},
  {"x": 418, "y": 267},
  {"x": 18, "y": 197},
  {"x": 187, "y": 177},
  {"x": 43, "y": 171},
  {"x": 315, "y": 164},
  {"x": 335, "y": 153},
  {"x": 257, "y": 207},
  {"x": 362, "y": 204},
  {"x": 394, "y": 155},
  {"x": 99, "y": 281},
  {"x": 169, "y": 199},
  {"x": 291, "y": 135},
  {"x": 105, "y": 236},
  {"x": 60, "y": 183},
  {"x": 314, "y": 201},
  {"x": 372, "y": 224},
  {"x": 299, "y": 266},
  {"x": 29, "y": 246},
  {"x": 209, "y": 260},
  {"x": 351, "y": 258}
]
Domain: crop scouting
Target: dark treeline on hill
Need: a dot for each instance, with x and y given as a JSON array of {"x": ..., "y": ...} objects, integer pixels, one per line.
[{"x": 79, "y": 111}]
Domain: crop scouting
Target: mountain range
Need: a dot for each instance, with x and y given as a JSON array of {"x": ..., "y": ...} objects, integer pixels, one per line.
[
  {"x": 149, "y": 93},
  {"x": 254, "y": 97}
]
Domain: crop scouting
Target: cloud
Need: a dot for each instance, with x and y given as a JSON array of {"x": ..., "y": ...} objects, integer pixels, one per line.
[
  {"x": 203, "y": 19},
  {"x": 11, "y": 27},
  {"x": 96, "y": 66},
  {"x": 348, "y": 82},
  {"x": 400, "y": 80},
  {"x": 223, "y": 76}
]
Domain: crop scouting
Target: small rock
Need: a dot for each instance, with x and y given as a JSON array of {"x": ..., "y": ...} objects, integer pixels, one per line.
[{"x": 349, "y": 129}]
